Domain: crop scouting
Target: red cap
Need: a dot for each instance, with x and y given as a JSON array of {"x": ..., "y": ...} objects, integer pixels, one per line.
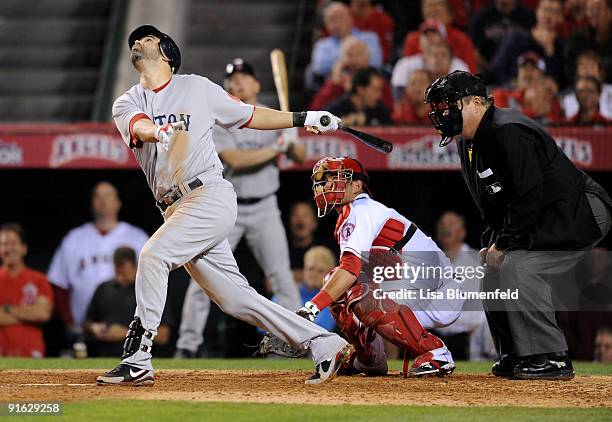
[{"x": 431, "y": 24}]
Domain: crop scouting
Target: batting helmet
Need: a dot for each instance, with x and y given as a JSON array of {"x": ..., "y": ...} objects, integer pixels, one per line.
[
  {"x": 167, "y": 46},
  {"x": 329, "y": 192}
]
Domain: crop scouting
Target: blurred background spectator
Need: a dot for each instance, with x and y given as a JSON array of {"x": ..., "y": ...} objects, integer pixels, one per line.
[
  {"x": 430, "y": 36},
  {"x": 326, "y": 51},
  {"x": 318, "y": 261},
  {"x": 597, "y": 36},
  {"x": 84, "y": 258},
  {"x": 589, "y": 64},
  {"x": 493, "y": 23},
  {"x": 588, "y": 93},
  {"x": 368, "y": 17},
  {"x": 112, "y": 309},
  {"x": 362, "y": 105},
  {"x": 468, "y": 337},
  {"x": 438, "y": 12},
  {"x": 354, "y": 56},
  {"x": 410, "y": 109},
  {"x": 542, "y": 39},
  {"x": 26, "y": 298},
  {"x": 574, "y": 17},
  {"x": 603, "y": 345}
]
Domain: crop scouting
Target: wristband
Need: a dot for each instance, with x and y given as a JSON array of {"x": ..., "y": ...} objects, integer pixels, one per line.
[
  {"x": 322, "y": 300},
  {"x": 299, "y": 118}
]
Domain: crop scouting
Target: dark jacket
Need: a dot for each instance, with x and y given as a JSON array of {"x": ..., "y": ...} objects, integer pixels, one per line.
[{"x": 529, "y": 193}]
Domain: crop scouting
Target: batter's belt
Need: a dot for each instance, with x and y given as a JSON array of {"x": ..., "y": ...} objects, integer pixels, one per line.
[{"x": 177, "y": 193}]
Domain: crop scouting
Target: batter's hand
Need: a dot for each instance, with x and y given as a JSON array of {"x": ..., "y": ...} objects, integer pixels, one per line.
[
  {"x": 313, "y": 122},
  {"x": 309, "y": 311},
  {"x": 165, "y": 132}
]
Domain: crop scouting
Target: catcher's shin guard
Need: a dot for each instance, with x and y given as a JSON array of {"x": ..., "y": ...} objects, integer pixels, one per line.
[{"x": 396, "y": 323}]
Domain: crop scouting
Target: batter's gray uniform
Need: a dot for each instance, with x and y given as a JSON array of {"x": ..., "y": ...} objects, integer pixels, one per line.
[
  {"x": 195, "y": 228},
  {"x": 259, "y": 220}
]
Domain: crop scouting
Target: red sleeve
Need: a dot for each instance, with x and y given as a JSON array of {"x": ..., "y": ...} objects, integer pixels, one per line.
[
  {"x": 411, "y": 44},
  {"x": 464, "y": 48},
  {"x": 134, "y": 141},
  {"x": 328, "y": 93},
  {"x": 351, "y": 263}
]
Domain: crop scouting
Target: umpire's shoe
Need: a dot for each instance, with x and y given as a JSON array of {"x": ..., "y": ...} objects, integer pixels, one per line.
[
  {"x": 504, "y": 367},
  {"x": 125, "y": 374},
  {"x": 552, "y": 366},
  {"x": 328, "y": 369}
]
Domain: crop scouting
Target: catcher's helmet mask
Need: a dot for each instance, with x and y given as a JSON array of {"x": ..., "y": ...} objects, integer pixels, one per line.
[
  {"x": 167, "y": 46},
  {"x": 444, "y": 95},
  {"x": 330, "y": 176}
]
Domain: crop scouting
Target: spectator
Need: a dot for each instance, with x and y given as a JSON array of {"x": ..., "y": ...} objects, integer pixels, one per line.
[
  {"x": 430, "y": 35},
  {"x": 302, "y": 227},
  {"x": 588, "y": 64},
  {"x": 603, "y": 345},
  {"x": 367, "y": 17},
  {"x": 85, "y": 256},
  {"x": 411, "y": 110},
  {"x": 26, "y": 298},
  {"x": 588, "y": 92},
  {"x": 493, "y": 23},
  {"x": 112, "y": 309},
  {"x": 460, "y": 43},
  {"x": 574, "y": 18},
  {"x": 438, "y": 60},
  {"x": 354, "y": 56},
  {"x": 469, "y": 336},
  {"x": 534, "y": 94},
  {"x": 597, "y": 36},
  {"x": 318, "y": 261},
  {"x": 339, "y": 23},
  {"x": 542, "y": 39},
  {"x": 362, "y": 106}
]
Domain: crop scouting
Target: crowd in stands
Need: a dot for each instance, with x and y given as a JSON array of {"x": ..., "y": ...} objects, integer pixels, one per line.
[{"x": 551, "y": 59}]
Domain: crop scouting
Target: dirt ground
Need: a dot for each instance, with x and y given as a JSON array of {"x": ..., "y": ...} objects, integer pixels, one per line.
[{"x": 289, "y": 387}]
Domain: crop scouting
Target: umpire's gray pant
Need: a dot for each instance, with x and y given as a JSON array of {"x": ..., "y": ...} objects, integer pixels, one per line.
[{"x": 527, "y": 326}]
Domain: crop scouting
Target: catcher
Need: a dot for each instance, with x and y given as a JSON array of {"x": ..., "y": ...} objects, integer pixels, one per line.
[{"x": 371, "y": 235}]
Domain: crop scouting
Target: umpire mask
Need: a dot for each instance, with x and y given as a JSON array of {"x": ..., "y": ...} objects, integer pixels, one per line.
[{"x": 444, "y": 95}]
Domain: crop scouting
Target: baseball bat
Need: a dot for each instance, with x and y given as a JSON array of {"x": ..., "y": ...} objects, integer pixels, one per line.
[
  {"x": 372, "y": 141},
  {"x": 279, "y": 71}
]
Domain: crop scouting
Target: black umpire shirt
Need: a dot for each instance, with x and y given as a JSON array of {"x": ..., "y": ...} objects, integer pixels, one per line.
[{"x": 529, "y": 193}]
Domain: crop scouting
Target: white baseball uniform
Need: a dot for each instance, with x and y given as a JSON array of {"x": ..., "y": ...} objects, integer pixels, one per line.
[
  {"x": 195, "y": 228},
  {"x": 259, "y": 220},
  {"x": 363, "y": 231},
  {"x": 85, "y": 259}
]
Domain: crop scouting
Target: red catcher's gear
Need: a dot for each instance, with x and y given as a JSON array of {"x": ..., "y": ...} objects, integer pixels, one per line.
[{"x": 329, "y": 178}]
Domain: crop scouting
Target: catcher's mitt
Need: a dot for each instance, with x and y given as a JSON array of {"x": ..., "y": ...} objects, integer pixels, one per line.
[{"x": 272, "y": 344}]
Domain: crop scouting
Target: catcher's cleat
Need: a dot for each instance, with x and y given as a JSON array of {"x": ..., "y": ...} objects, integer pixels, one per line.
[
  {"x": 426, "y": 366},
  {"x": 328, "y": 369},
  {"x": 125, "y": 374}
]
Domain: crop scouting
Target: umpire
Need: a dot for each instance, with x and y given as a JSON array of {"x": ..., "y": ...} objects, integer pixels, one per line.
[{"x": 532, "y": 199}]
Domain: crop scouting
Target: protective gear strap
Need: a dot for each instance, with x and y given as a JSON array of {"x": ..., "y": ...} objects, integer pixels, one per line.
[{"x": 133, "y": 339}]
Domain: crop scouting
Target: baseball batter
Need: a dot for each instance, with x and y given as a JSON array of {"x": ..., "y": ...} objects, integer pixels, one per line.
[
  {"x": 168, "y": 121},
  {"x": 249, "y": 157},
  {"x": 365, "y": 311}
]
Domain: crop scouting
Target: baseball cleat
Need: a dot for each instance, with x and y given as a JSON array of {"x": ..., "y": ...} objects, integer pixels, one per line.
[
  {"x": 328, "y": 369},
  {"x": 426, "y": 366},
  {"x": 125, "y": 374}
]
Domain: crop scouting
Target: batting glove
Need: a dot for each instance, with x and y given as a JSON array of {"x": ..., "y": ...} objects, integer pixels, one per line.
[
  {"x": 165, "y": 133},
  {"x": 309, "y": 311},
  {"x": 321, "y": 121}
]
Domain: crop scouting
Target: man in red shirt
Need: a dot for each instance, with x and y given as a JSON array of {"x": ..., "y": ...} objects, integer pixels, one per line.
[
  {"x": 458, "y": 40},
  {"x": 25, "y": 298},
  {"x": 366, "y": 17}
]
